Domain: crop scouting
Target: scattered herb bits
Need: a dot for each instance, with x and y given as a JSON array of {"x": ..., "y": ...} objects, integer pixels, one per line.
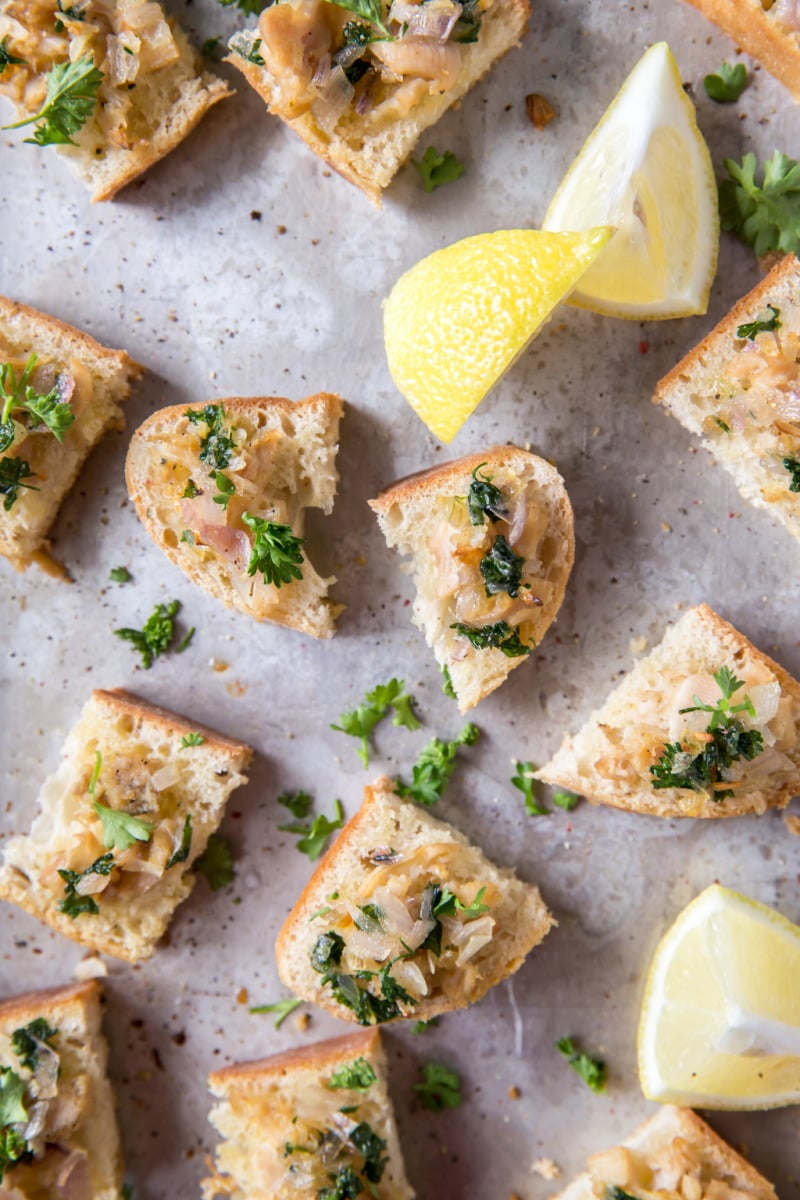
[
  {"x": 726, "y": 85},
  {"x": 440, "y": 1087},
  {"x": 523, "y": 780},
  {"x": 765, "y": 215},
  {"x": 565, "y": 799},
  {"x": 120, "y": 575},
  {"x": 157, "y": 635},
  {"x": 436, "y": 169},
  {"x": 591, "y": 1070},
  {"x": 312, "y": 836},
  {"x": 281, "y": 1008},
  {"x": 433, "y": 769},
  {"x": 360, "y": 721},
  {"x": 215, "y": 864}
]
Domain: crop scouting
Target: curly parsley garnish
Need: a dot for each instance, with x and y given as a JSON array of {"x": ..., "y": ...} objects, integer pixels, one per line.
[
  {"x": 792, "y": 465},
  {"x": 74, "y": 903},
  {"x": 436, "y": 169},
  {"x": 192, "y": 739},
  {"x": 313, "y": 837},
  {"x": 28, "y": 1041},
  {"x": 275, "y": 552},
  {"x": 71, "y": 98},
  {"x": 357, "y": 1076},
  {"x": 8, "y": 59},
  {"x": 484, "y": 499},
  {"x": 752, "y": 328},
  {"x": 440, "y": 1087},
  {"x": 591, "y": 1070},
  {"x": 724, "y": 742},
  {"x": 766, "y": 215},
  {"x": 727, "y": 84},
  {"x": 216, "y": 444},
  {"x": 433, "y": 769},
  {"x": 501, "y": 569},
  {"x": 120, "y": 829},
  {"x": 500, "y": 635},
  {"x": 158, "y": 634},
  {"x": 370, "y": 10},
  {"x": 360, "y": 721},
  {"x": 18, "y": 396},
  {"x": 13, "y": 473}
]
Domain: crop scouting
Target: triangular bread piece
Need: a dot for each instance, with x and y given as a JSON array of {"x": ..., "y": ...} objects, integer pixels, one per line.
[
  {"x": 672, "y": 1156},
  {"x": 52, "y": 1051},
  {"x": 278, "y": 1113},
  {"x": 371, "y": 906},
  {"x": 269, "y": 459},
  {"x": 93, "y": 380},
  {"x": 171, "y": 776},
  {"x": 609, "y": 760},
  {"x": 428, "y": 515},
  {"x": 739, "y": 393}
]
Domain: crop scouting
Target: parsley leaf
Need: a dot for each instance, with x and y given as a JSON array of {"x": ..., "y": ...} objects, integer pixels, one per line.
[
  {"x": 566, "y": 800},
  {"x": 358, "y": 1076},
  {"x": 190, "y": 491},
  {"x": 484, "y": 499},
  {"x": 19, "y": 396},
  {"x": 424, "y": 1026},
  {"x": 120, "y": 829},
  {"x": 433, "y": 769},
  {"x": 436, "y": 169},
  {"x": 246, "y": 45},
  {"x": 70, "y": 102},
  {"x": 447, "y": 683},
  {"x": 6, "y": 58},
  {"x": 74, "y": 903},
  {"x": 13, "y": 473},
  {"x": 468, "y": 25},
  {"x": 591, "y": 1070},
  {"x": 360, "y": 721},
  {"x": 448, "y": 904},
  {"x": 210, "y": 48},
  {"x": 216, "y": 445},
  {"x": 524, "y": 781},
  {"x": 27, "y": 1041},
  {"x": 751, "y": 328},
  {"x": 192, "y": 739},
  {"x": 225, "y": 489},
  {"x": 12, "y": 1090},
  {"x": 371, "y": 1148},
  {"x": 727, "y": 85},
  {"x": 767, "y": 215},
  {"x": 120, "y": 575},
  {"x": 275, "y": 551},
  {"x": 327, "y": 951},
  {"x": 371, "y": 10},
  {"x": 182, "y": 853},
  {"x": 313, "y": 837},
  {"x": 500, "y": 635},
  {"x": 613, "y": 1192},
  {"x": 282, "y": 1007},
  {"x": 157, "y": 635},
  {"x": 440, "y": 1087},
  {"x": 501, "y": 569},
  {"x": 216, "y": 862},
  {"x": 792, "y": 465},
  {"x": 299, "y": 804}
]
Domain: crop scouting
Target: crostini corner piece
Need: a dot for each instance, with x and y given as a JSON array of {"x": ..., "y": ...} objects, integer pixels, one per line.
[
  {"x": 315, "y": 1121},
  {"x": 133, "y": 803},
  {"x": 703, "y": 726},
  {"x": 222, "y": 487},
  {"x": 404, "y": 918},
  {"x": 492, "y": 542},
  {"x": 767, "y": 29}
]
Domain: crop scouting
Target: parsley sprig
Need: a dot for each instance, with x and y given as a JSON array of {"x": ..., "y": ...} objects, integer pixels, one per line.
[
  {"x": 216, "y": 444},
  {"x": 157, "y": 635},
  {"x": 500, "y": 635},
  {"x": 312, "y": 836},
  {"x": 591, "y": 1070},
  {"x": 13, "y": 1147},
  {"x": 751, "y": 328},
  {"x": 360, "y": 721},
  {"x": 370, "y": 10},
  {"x": 440, "y": 1087},
  {"x": 74, "y": 903},
  {"x": 13, "y": 473},
  {"x": 523, "y": 780},
  {"x": 726, "y": 85},
  {"x": 433, "y": 769},
  {"x": 275, "y": 552},
  {"x": 18, "y": 396},
  {"x": 435, "y": 168},
  {"x": 765, "y": 215},
  {"x": 70, "y": 101}
]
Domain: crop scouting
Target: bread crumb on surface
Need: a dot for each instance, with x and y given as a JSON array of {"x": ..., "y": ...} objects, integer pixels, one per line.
[
  {"x": 302, "y": 1022},
  {"x": 93, "y": 967},
  {"x": 637, "y": 645},
  {"x": 514, "y": 1093},
  {"x": 242, "y": 996},
  {"x": 792, "y": 823},
  {"x": 546, "y": 1168},
  {"x": 540, "y": 110}
]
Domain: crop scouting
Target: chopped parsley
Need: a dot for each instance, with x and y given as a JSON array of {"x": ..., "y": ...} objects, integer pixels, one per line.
[
  {"x": 216, "y": 862},
  {"x": 192, "y": 739},
  {"x": 500, "y": 635},
  {"x": 13, "y": 1147},
  {"x": 182, "y": 852},
  {"x": 766, "y": 215},
  {"x": 120, "y": 575},
  {"x": 484, "y": 499},
  {"x": 723, "y": 425},
  {"x": 210, "y": 48},
  {"x": 216, "y": 445},
  {"x": 752, "y": 328},
  {"x": 437, "y": 902},
  {"x": 8, "y": 59},
  {"x": 523, "y": 780},
  {"x": 501, "y": 569},
  {"x": 28, "y": 1041},
  {"x": 71, "y": 98},
  {"x": 424, "y": 1026},
  {"x": 361, "y": 721},
  {"x": 370, "y": 10},
  {"x": 440, "y": 1087},
  {"x": 275, "y": 551},
  {"x": 18, "y": 396},
  {"x": 246, "y": 45},
  {"x": 282, "y": 1009},
  {"x": 225, "y": 489},
  {"x": 433, "y": 769},
  {"x": 447, "y": 683},
  {"x": 724, "y": 742},
  {"x": 120, "y": 829},
  {"x": 190, "y": 491},
  {"x": 727, "y": 84},
  {"x": 250, "y": 8},
  {"x": 613, "y": 1192},
  {"x": 13, "y": 473},
  {"x": 312, "y": 837},
  {"x": 591, "y": 1070},
  {"x": 327, "y": 951},
  {"x": 369, "y": 1009},
  {"x": 792, "y": 465},
  {"x": 358, "y": 1076},
  {"x": 435, "y": 168},
  {"x": 346, "y": 1185},
  {"x": 74, "y": 903},
  {"x": 565, "y": 799},
  {"x": 299, "y": 804},
  {"x": 158, "y": 633},
  {"x": 468, "y": 25}
]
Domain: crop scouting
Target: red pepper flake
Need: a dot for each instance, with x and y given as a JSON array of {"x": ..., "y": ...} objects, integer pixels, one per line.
[{"x": 644, "y": 347}]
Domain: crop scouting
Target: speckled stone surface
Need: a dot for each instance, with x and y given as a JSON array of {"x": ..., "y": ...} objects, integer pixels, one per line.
[{"x": 239, "y": 266}]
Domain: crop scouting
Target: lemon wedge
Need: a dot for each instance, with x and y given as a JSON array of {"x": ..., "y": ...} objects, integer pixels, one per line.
[
  {"x": 458, "y": 319},
  {"x": 720, "y": 1023},
  {"x": 646, "y": 170}
]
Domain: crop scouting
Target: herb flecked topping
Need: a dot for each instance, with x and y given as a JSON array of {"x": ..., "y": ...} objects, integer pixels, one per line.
[
  {"x": 752, "y": 328},
  {"x": 275, "y": 553},
  {"x": 433, "y": 769},
  {"x": 501, "y": 569},
  {"x": 484, "y": 499},
  {"x": 792, "y": 465},
  {"x": 591, "y": 1070},
  {"x": 70, "y": 101},
  {"x": 500, "y": 635}
]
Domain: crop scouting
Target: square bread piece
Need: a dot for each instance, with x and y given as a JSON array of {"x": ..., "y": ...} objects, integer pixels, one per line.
[
  {"x": 53, "y": 1056},
  {"x": 70, "y": 368},
  {"x": 361, "y": 101},
  {"x": 112, "y": 879},
  {"x": 153, "y": 92},
  {"x": 405, "y": 898},
  {"x": 610, "y": 759},
  {"x": 741, "y": 394},
  {"x": 293, "y": 1128},
  {"x": 443, "y": 519},
  {"x": 767, "y": 29},
  {"x": 275, "y": 458},
  {"x": 673, "y": 1156}
]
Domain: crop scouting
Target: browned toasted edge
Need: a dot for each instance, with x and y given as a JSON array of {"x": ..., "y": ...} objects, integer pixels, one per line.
[
  {"x": 70, "y": 333},
  {"x": 733, "y": 1161},
  {"x": 430, "y": 480},
  {"x": 318, "y": 1054},
  {"x": 757, "y": 297},
  {"x": 50, "y": 999},
  {"x": 172, "y": 722}
]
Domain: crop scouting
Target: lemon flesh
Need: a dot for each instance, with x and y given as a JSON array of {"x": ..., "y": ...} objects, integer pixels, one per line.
[
  {"x": 720, "y": 1023},
  {"x": 647, "y": 171},
  {"x": 456, "y": 321}
]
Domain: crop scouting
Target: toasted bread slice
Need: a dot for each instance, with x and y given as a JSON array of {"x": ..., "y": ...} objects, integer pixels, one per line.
[
  {"x": 610, "y": 758},
  {"x": 282, "y": 461},
  {"x": 153, "y": 91},
  {"x": 70, "y": 1132},
  {"x": 674, "y": 1155},
  {"x": 740, "y": 394},
  {"x": 367, "y": 132},
  {"x": 93, "y": 380},
  {"x": 129, "y": 757},
  {"x": 388, "y": 870},
  {"x": 766, "y": 29},
  {"x": 274, "y": 1111},
  {"x": 428, "y": 516}
]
